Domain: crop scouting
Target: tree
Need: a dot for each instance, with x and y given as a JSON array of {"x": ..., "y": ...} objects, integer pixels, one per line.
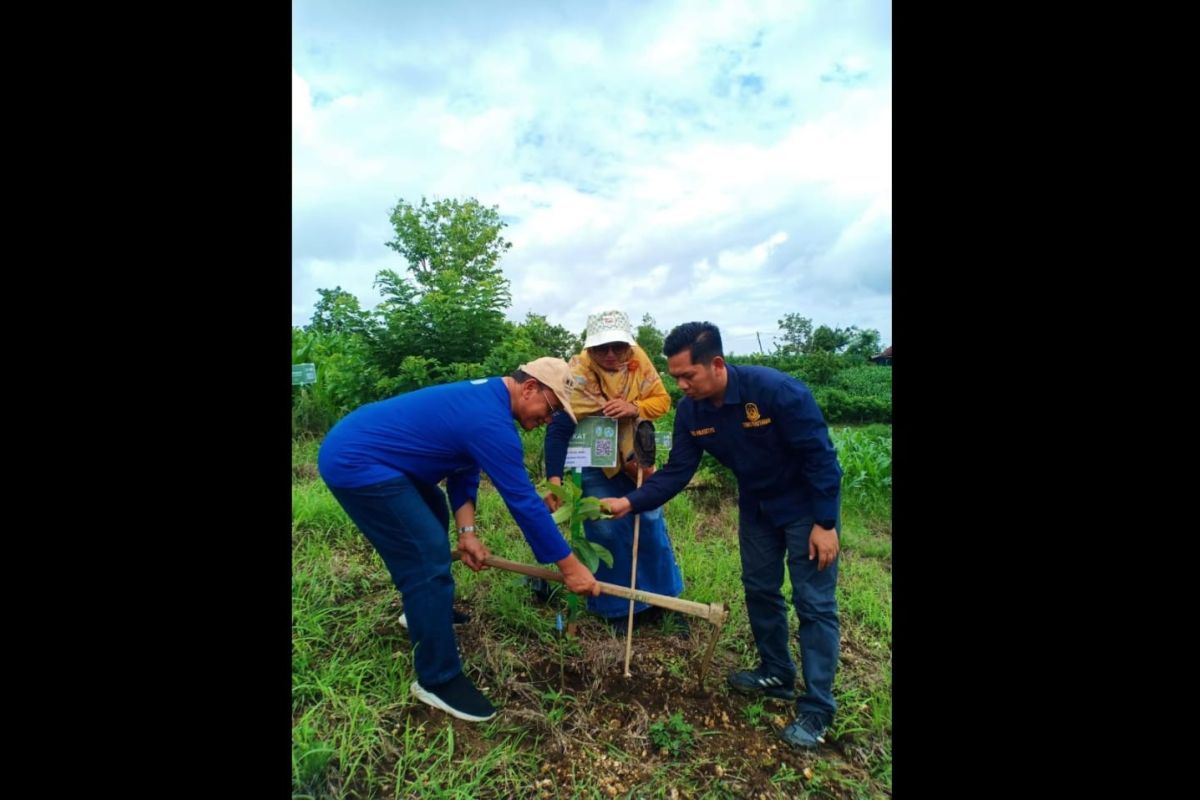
[
  {"x": 865, "y": 344},
  {"x": 650, "y": 339},
  {"x": 550, "y": 340},
  {"x": 449, "y": 235},
  {"x": 337, "y": 311},
  {"x": 796, "y": 332},
  {"x": 533, "y": 338},
  {"x": 453, "y": 311},
  {"x": 829, "y": 340},
  {"x": 399, "y": 330}
]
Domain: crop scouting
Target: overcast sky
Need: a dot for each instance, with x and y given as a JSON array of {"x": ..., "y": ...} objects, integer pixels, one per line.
[{"x": 728, "y": 161}]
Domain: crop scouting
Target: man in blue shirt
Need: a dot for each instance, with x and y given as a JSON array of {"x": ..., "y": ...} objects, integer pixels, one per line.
[
  {"x": 383, "y": 462},
  {"x": 765, "y": 426}
]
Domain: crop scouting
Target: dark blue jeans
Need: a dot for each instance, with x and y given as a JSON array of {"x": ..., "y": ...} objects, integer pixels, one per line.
[
  {"x": 763, "y": 548},
  {"x": 408, "y": 523}
]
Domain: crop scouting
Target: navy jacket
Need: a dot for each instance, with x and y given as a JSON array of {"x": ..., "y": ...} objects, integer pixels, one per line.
[{"x": 770, "y": 433}]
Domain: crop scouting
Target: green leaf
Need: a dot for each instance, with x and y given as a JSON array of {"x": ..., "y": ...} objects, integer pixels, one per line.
[
  {"x": 563, "y": 514},
  {"x": 586, "y": 552},
  {"x": 560, "y": 491},
  {"x": 590, "y": 508},
  {"x": 604, "y": 554}
]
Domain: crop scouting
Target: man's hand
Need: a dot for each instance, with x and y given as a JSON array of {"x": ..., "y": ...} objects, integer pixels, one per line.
[
  {"x": 551, "y": 499},
  {"x": 617, "y": 408},
  {"x": 617, "y": 506},
  {"x": 823, "y": 545},
  {"x": 472, "y": 551},
  {"x": 578, "y": 578}
]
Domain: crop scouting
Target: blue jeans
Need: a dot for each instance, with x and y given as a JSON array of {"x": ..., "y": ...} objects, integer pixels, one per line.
[
  {"x": 657, "y": 571},
  {"x": 408, "y": 524},
  {"x": 763, "y": 546}
]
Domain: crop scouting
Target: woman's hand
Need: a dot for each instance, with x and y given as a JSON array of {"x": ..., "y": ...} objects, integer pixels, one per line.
[{"x": 618, "y": 408}]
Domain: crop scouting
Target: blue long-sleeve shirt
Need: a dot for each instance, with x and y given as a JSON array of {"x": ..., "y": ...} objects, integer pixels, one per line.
[
  {"x": 449, "y": 431},
  {"x": 769, "y": 431}
]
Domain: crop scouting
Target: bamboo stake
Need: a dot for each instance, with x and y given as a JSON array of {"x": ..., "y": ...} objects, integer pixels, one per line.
[{"x": 637, "y": 521}]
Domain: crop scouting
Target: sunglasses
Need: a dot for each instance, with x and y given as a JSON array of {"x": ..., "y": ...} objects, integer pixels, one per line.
[
  {"x": 612, "y": 347},
  {"x": 554, "y": 412}
]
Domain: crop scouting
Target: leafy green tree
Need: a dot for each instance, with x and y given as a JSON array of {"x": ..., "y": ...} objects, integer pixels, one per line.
[
  {"x": 414, "y": 372},
  {"x": 533, "y": 338},
  {"x": 829, "y": 340},
  {"x": 650, "y": 339},
  {"x": 462, "y": 237},
  {"x": 338, "y": 311},
  {"x": 550, "y": 340},
  {"x": 399, "y": 329},
  {"x": 795, "y": 334},
  {"x": 460, "y": 320},
  {"x": 864, "y": 344},
  {"x": 451, "y": 312},
  {"x": 514, "y": 349}
]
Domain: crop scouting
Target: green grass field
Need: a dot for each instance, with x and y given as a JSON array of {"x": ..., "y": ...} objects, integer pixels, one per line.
[{"x": 571, "y": 725}]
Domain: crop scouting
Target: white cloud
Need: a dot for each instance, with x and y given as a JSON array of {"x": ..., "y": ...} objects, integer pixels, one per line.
[
  {"x": 302, "y": 113},
  {"x": 723, "y": 160}
]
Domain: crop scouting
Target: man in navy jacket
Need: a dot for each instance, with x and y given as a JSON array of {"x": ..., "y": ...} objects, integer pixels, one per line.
[{"x": 764, "y": 425}]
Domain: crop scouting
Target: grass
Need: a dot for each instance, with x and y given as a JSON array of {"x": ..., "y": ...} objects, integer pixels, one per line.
[{"x": 572, "y": 726}]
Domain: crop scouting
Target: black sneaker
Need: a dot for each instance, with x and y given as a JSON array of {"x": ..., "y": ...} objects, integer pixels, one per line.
[
  {"x": 648, "y": 616},
  {"x": 758, "y": 682},
  {"x": 807, "y": 731},
  {"x": 459, "y": 619},
  {"x": 458, "y": 697}
]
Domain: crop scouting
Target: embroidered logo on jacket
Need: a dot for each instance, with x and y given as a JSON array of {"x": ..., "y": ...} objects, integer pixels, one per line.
[
  {"x": 703, "y": 432},
  {"x": 753, "y": 418}
]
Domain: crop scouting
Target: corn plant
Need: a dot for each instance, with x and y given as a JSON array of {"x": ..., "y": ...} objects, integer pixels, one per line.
[{"x": 865, "y": 455}]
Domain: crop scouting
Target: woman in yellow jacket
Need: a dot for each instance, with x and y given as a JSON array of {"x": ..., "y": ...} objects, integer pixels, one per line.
[{"x": 615, "y": 377}]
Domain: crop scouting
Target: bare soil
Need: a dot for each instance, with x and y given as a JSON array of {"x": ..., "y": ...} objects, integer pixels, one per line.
[{"x": 601, "y": 738}]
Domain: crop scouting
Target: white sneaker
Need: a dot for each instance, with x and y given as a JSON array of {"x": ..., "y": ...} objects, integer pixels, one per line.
[
  {"x": 457, "y": 697},
  {"x": 459, "y": 619}
]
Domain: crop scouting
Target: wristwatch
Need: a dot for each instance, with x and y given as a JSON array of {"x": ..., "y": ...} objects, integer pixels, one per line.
[
  {"x": 466, "y": 529},
  {"x": 827, "y": 524}
]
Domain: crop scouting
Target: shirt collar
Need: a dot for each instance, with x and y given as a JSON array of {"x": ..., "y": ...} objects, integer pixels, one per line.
[{"x": 732, "y": 394}]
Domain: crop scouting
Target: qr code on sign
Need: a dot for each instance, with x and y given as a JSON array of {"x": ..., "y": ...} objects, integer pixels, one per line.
[{"x": 604, "y": 447}]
